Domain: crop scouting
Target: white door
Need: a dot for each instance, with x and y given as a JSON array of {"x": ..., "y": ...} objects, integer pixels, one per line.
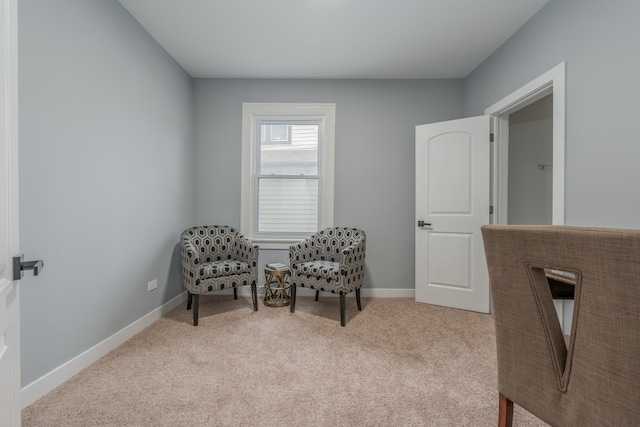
[
  {"x": 452, "y": 202},
  {"x": 9, "y": 290}
]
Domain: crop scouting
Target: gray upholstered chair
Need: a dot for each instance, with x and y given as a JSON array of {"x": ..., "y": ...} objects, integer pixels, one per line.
[
  {"x": 331, "y": 260},
  {"x": 594, "y": 380},
  {"x": 215, "y": 258}
]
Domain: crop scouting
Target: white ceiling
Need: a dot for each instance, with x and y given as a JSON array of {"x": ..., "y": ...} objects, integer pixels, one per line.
[{"x": 332, "y": 39}]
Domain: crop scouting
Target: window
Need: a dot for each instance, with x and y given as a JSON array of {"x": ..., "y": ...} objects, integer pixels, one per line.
[
  {"x": 287, "y": 182},
  {"x": 275, "y": 133},
  {"x": 287, "y": 171}
]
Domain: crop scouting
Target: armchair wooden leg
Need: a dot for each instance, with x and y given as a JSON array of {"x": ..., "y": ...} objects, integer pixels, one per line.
[
  {"x": 505, "y": 411},
  {"x": 317, "y": 293},
  {"x": 235, "y": 293},
  {"x": 292, "y": 296},
  {"x": 342, "y": 309},
  {"x": 254, "y": 296},
  {"x": 358, "y": 299},
  {"x": 196, "y": 300},
  {"x": 189, "y": 300}
]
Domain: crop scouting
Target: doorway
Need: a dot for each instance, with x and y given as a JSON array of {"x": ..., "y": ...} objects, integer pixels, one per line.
[
  {"x": 530, "y": 183},
  {"x": 550, "y": 83},
  {"x": 550, "y": 88}
]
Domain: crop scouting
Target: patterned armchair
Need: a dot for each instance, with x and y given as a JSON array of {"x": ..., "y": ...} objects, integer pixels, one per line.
[
  {"x": 215, "y": 258},
  {"x": 331, "y": 260}
]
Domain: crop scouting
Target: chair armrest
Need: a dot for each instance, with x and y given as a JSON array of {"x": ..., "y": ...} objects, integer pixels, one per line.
[
  {"x": 352, "y": 259},
  {"x": 302, "y": 251},
  {"x": 354, "y": 248},
  {"x": 247, "y": 251},
  {"x": 190, "y": 258}
]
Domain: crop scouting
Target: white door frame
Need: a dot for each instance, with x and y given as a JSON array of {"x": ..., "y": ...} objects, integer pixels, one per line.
[
  {"x": 553, "y": 81},
  {"x": 10, "y": 406}
]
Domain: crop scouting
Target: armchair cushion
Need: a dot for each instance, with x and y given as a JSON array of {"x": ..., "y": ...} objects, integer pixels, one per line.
[
  {"x": 325, "y": 269},
  {"x": 209, "y": 270}
]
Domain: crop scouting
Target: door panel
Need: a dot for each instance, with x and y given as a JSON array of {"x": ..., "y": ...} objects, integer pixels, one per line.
[
  {"x": 448, "y": 161},
  {"x": 452, "y": 198},
  {"x": 449, "y": 261}
]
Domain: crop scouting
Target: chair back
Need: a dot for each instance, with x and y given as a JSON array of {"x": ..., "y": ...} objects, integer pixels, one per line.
[
  {"x": 331, "y": 241},
  {"x": 595, "y": 379},
  {"x": 212, "y": 240}
]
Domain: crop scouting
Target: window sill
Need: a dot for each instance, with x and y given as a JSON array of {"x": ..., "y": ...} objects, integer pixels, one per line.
[{"x": 282, "y": 244}]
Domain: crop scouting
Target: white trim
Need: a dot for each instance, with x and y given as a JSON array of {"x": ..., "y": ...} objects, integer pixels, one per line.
[
  {"x": 365, "y": 292},
  {"x": 500, "y": 175},
  {"x": 553, "y": 81},
  {"x": 43, "y": 385},
  {"x": 559, "y": 306},
  {"x": 9, "y": 205},
  {"x": 249, "y": 113}
]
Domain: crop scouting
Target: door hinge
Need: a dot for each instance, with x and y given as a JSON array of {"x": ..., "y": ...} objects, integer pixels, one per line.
[
  {"x": 491, "y": 137},
  {"x": 490, "y": 210}
]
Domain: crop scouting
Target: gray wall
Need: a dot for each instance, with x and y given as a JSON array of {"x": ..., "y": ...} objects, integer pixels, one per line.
[
  {"x": 531, "y": 145},
  {"x": 107, "y": 154},
  {"x": 598, "y": 40},
  {"x": 374, "y": 169},
  {"x": 106, "y": 175}
]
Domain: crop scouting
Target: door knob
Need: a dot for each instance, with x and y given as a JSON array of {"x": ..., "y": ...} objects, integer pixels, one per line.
[
  {"x": 19, "y": 265},
  {"x": 424, "y": 224}
]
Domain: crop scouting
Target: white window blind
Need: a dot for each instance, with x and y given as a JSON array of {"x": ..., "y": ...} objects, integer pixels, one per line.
[{"x": 287, "y": 205}]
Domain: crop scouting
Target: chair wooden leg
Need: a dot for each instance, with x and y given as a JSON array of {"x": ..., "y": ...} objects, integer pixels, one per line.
[
  {"x": 358, "y": 299},
  {"x": 317, "y": 293},
  {"x": 189, "y": 300},
  {"x": 254, "y": 296},
  {"x": 235, "y": 293},
  {"x": 342, "y": 309},
  {"x": 196, "y": 300},
  {"x": 292, "y": 296},
  {"x": 505, "y": 411}
]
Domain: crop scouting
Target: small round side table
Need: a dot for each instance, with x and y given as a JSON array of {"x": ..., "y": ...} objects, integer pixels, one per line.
[{"x": 278, "y": 295}]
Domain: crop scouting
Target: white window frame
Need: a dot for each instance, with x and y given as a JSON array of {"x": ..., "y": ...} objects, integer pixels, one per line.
[{"x": 250, "y": 113}]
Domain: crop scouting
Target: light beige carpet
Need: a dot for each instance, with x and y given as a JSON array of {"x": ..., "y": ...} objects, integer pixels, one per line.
[{"x": 396, "y": 363}]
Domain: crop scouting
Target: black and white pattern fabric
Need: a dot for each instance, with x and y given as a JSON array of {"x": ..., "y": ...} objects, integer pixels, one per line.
[
  {"x": 331, "y": 260},
  {"x": 216, "y": 257}
]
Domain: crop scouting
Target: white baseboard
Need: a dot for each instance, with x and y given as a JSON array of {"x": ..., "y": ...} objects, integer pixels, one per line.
[
  {"x": 365, "y": 292},
  {"x": 43, "y": 385},
  {"x": 388, "y": 293}
]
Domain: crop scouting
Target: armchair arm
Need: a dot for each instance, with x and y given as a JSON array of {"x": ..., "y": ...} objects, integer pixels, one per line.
[
  {"x": 189, "y": 255},
  {"x": 352, "y": 263},
  {"x": 302, "y": 251},
  {"x": 356, "y": 247},
  {"x": 247, "y": 251}
]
